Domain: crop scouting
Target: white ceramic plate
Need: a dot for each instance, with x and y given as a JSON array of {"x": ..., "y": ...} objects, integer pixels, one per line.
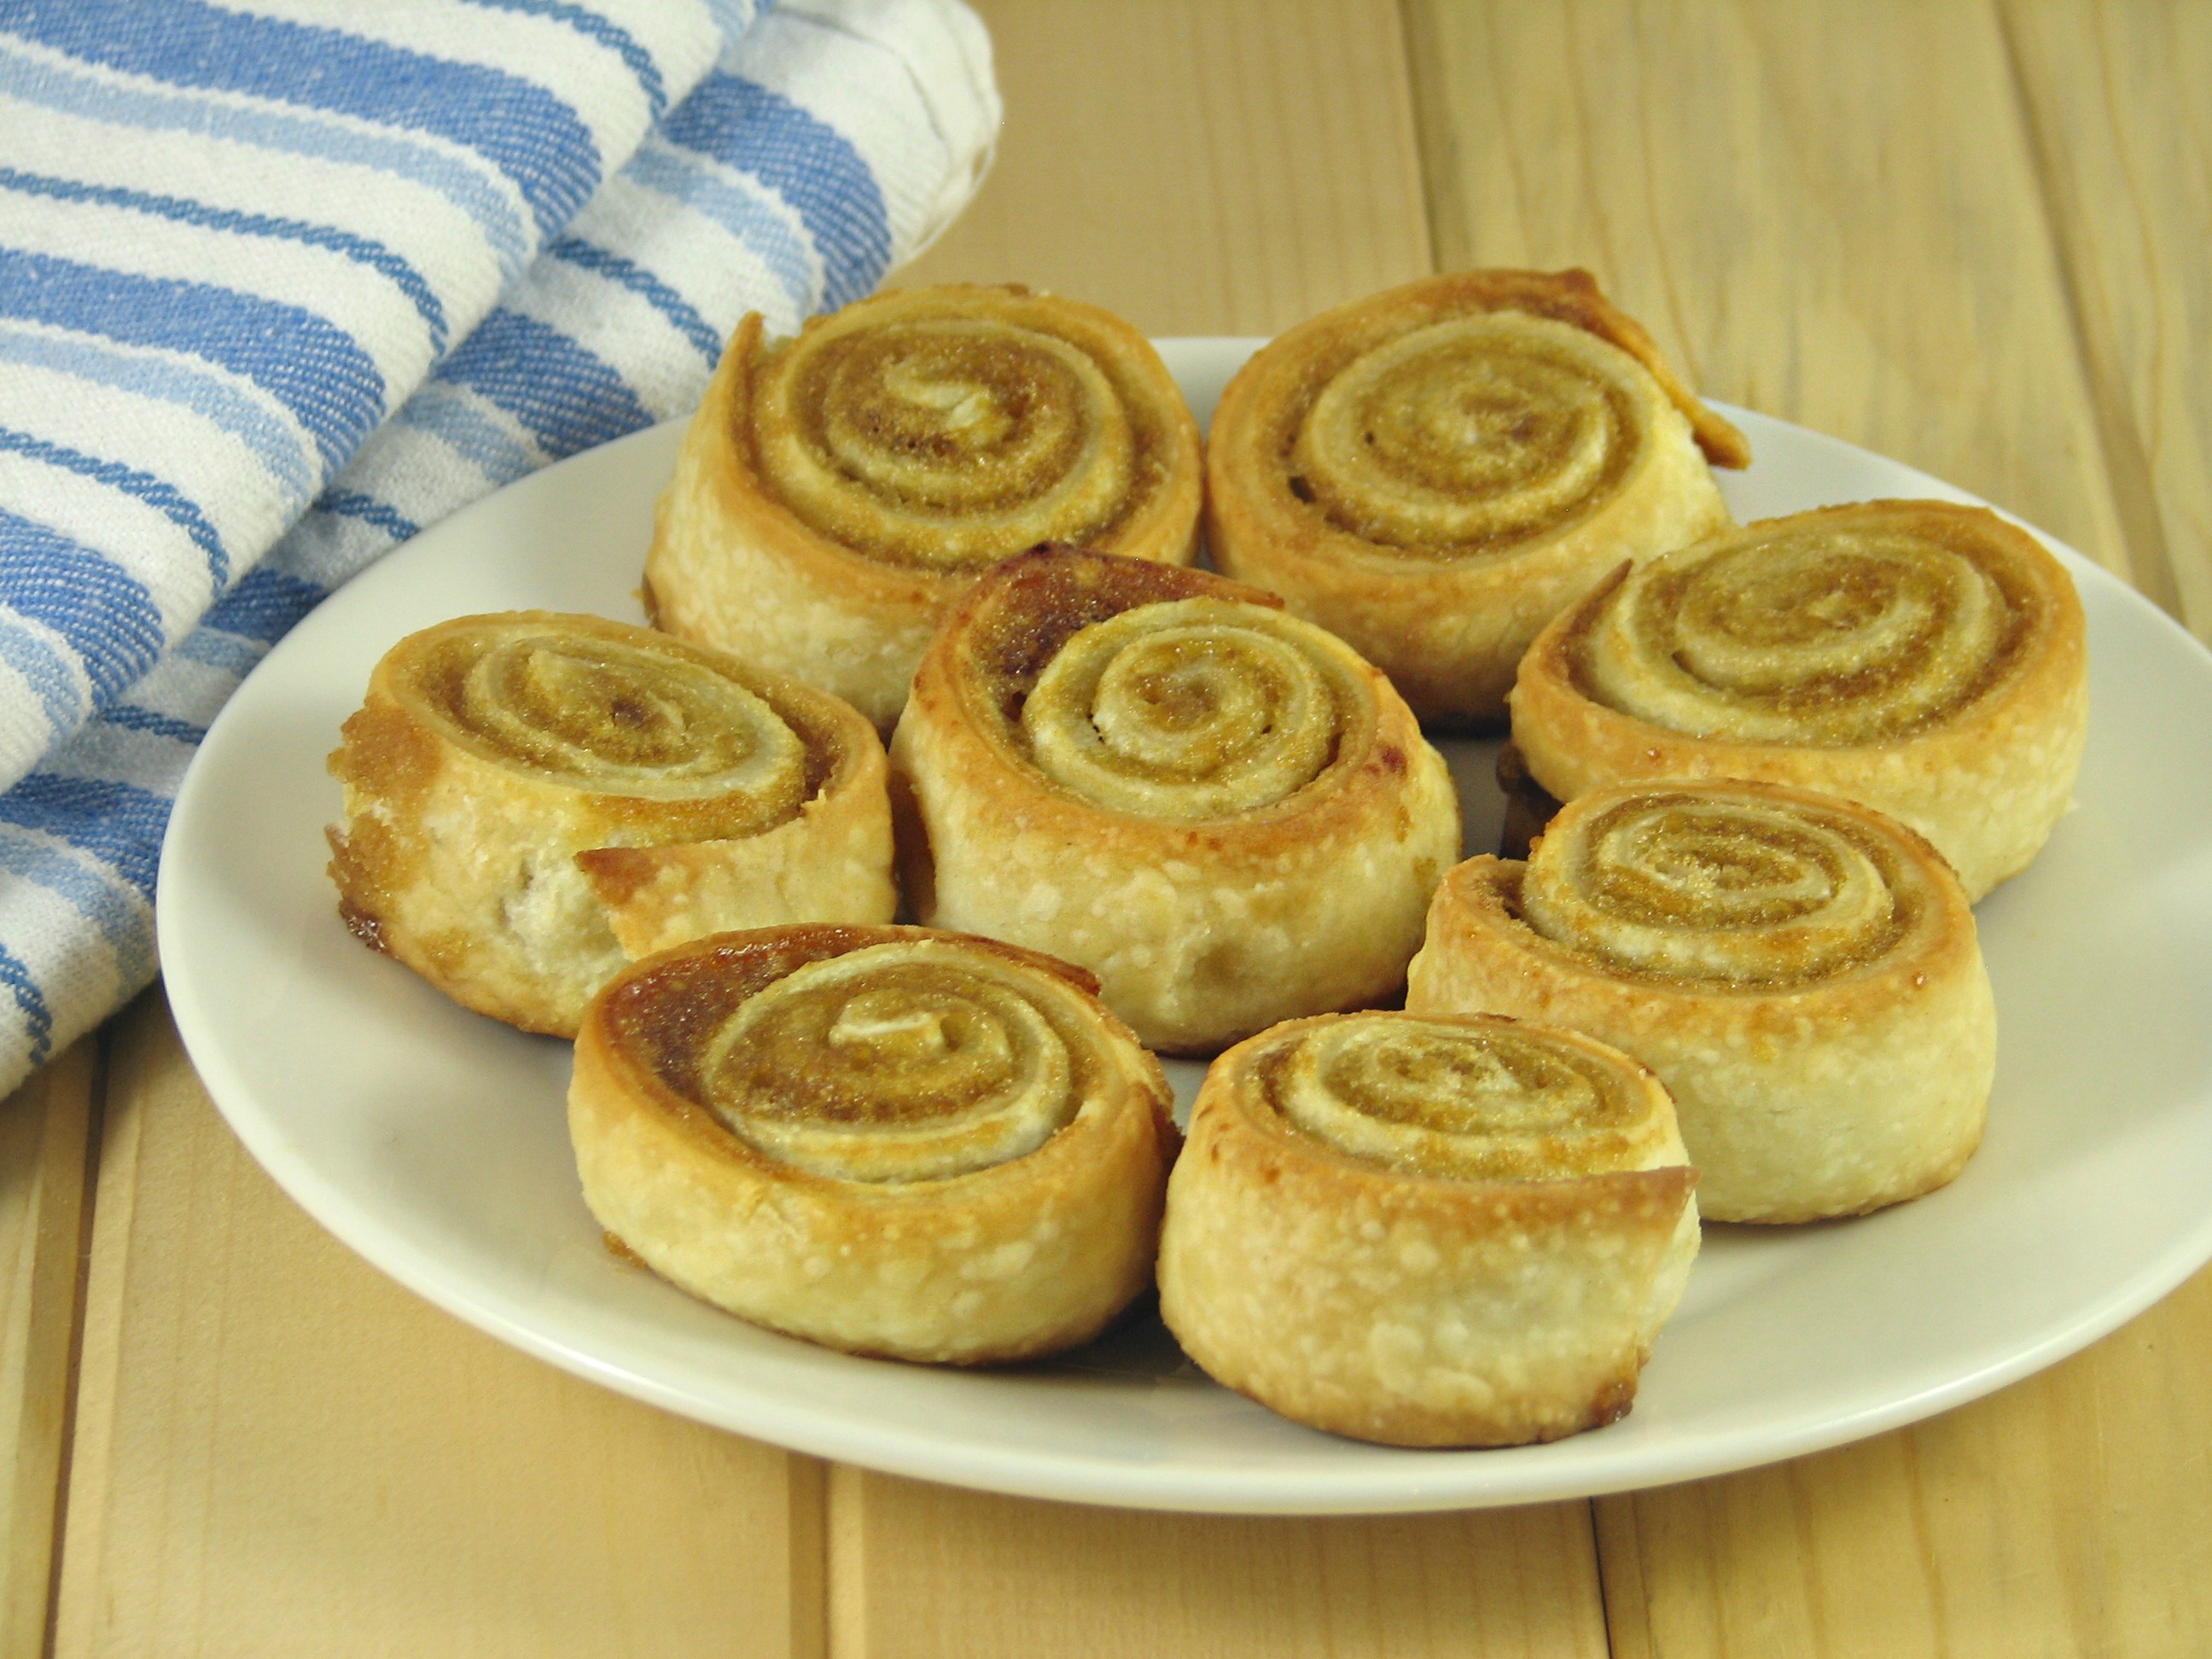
[{"x": 434, "y": 1141}]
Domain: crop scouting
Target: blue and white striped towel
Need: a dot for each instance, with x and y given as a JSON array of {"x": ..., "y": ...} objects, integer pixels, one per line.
[{"x": 281, "y": 283}]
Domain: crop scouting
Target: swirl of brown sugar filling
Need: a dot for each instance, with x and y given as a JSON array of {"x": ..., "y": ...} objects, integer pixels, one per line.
[
  {"x": 1841, "y": 630},
  {"x": 1472, "y": 436},
  {"x": 914, "y": 1061},
  {"x": 1159, "y": 692},
  {"x": 952, "y": 438},
  {"x": 1469, "y": 1099},
  {"x": 614, "y": 716},
  {"x": 1192, "y": 709},
  {"x": 1765, "y": 889}
]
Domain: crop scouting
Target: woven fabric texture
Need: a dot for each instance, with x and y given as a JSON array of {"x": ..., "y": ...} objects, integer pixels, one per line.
[{"x": 280, "y": 285}]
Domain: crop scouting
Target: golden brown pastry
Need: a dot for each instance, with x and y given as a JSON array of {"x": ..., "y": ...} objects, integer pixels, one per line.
[
  {"x": 837, "y": 492},
  {"x": 532, "y": 800},
  {"x": 1428, "y": 1231},
  {"x": 1801, "y": 972},
  {"x": 1926, "y": 659},
  {"x": 884, "y": 1140},
  {"x": 1435, "y": 473},
  {"x": 1216, "y": 808}
]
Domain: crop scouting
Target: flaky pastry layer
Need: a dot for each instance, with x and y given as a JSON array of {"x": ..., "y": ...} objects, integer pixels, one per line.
[
  {"x": 1435, "y": 473},
  {"x": 837, "y": 492},
  {"x": 1926, "y": 659},
  {"x": 533, "y": 800},
  {"x": 1428, "y": 1231},
  {"x": 887, "y": 1140},
  {"x": 1802, "y": 973},
  {"x": 1219, "y": 809}
]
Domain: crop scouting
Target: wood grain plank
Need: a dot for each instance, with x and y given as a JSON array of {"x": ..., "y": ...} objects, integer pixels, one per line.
[
  {"x": 2115, "y": 96},
  {"x": 1202, "y": 168},
  {"x": 1833, "y": 212},
  {"x": 280, "y": 1452},
  {"x": 45, "y": 1139},
  {"x": 927, "y": 1573},
  {"x": 1199, "y": 167},
  {"x": 1828, "y": 212}
]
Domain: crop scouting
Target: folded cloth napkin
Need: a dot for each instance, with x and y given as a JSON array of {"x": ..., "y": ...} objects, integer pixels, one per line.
[{"x": 282, "y": 283}]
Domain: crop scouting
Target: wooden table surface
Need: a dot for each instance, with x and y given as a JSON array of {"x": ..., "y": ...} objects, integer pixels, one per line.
[{"x": 1971, "y": 235}]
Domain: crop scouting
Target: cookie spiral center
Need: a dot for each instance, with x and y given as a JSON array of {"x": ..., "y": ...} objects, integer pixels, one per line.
[
  {"x": 621, "y": 719},
  {"x": 1471, "y": 435},
  {"x": 946, "y": 442},
  {"x": 1743, "y": 890},
  {"x": 1842, "y": 636},
  {"x": 1191, "y": 709},
  {"x": 1473, "y": 1102},
  {"x": 896, "y": 1062}
]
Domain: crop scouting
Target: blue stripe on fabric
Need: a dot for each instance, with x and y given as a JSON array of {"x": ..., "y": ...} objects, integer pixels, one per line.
[
  {"x": 157, "y": 493},
  {"x": 449, "y": 414},
  {"x": 805, "y": 161},
  {"x": 525, "y": 130},
  {"x": 53, "y": 86},
  {"x": 352, "y": 504},
  {"x": 359, "y": 249},
  {"x": 121, "y": 921},
  {"x": 603, "y": 32},
  {"x": 133, "y": 718},
  {"x": 568, "y": 399},
  {"x": 314, "y": 369},
  {"x": 38, "y": 1019},
  {"x": 198, "y": 389},
  {"x": 119, "y": 824},
  {"x": 224, "y": 652},
  {"x": 648, "y": 287},
  {"x": 106, "y": 613},
  {"x": 264, "y": 606},
  {"x": 45, "y": 670},
  {"x": 675, "y": 173}
]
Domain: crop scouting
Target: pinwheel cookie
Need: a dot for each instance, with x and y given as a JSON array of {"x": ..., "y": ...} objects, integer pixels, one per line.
[
  {"x": 1435, "y": 473},
  {"x": 837, "y": 492},
  {"x": 1926, "y": 659},
  {"x": 1218, "y": 809},
  {"x": 1803, "y": 975},
  {"x": 532, "y": 800},
  {"x": 884, "y": 1140},
  {"x": 1428, "y": 1231}
]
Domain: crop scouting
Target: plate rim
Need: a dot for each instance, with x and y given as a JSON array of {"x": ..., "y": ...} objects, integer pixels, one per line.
[{"x": 1427, "y": 1480}]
